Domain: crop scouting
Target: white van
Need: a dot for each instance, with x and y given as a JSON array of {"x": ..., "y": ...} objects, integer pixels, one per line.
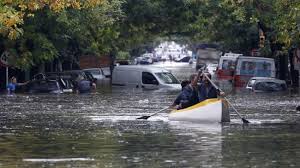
[
  {"x": 247, "y": 67},
  {"x": 147, "y": 77}
]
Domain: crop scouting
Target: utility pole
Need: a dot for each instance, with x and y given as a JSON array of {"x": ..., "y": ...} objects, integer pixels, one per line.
[{"x": 4, "y": 61}]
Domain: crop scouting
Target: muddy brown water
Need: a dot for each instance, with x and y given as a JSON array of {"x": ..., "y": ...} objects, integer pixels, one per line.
[{"x": 101, "y": 130}]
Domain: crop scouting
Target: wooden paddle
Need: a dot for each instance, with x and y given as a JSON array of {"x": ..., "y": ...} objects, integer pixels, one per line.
[
  {"x": 146, "y": 117},
  {"x": 214, "y": 85}
]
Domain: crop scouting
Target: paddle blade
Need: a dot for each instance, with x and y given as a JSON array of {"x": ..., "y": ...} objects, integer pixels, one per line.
[
  {"x": 245, "y": 121},
  {"x": 144, "y": 117}
]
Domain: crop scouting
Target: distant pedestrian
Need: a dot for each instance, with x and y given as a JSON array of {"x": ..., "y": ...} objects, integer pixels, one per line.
[
  {"x": 12, "y": 85},
  {"x": 170, "y": 58}
]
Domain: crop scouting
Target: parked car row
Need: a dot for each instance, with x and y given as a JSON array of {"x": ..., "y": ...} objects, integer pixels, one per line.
[{"x": 65, "y": 82}]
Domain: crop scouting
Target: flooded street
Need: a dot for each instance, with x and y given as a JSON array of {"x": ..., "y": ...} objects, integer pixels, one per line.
[{"x": 101, "y": 130}]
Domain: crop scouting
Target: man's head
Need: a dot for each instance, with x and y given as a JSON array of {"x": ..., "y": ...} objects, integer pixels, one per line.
[
  {"x": 185, "y": 83},
  {"x": 13, "y": 79},
  {"x": 205, "y": 80},
  {"x": 193, "y": 79}
]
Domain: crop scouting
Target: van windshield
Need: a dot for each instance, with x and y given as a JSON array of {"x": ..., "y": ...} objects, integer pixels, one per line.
[{"x": 167, "y": 77}]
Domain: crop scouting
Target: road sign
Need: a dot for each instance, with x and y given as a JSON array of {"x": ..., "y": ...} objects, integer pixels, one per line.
[{"x": 4, "y": 59}]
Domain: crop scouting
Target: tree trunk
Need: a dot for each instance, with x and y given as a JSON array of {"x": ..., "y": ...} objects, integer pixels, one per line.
[
  {"x": 112, "y": 56},
  {"x": 283, "y": 67},
  {"x": 294, "y": 73}
]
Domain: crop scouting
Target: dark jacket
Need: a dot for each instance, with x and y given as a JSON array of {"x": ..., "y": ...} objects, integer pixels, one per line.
[
  {"x": 84, "y": 86},
  {"x": 187, "y": 97},
  {"x": 207, "y": 92}
]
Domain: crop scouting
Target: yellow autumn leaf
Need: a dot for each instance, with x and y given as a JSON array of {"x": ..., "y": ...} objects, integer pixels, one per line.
[{"x": 12, "y": 34}]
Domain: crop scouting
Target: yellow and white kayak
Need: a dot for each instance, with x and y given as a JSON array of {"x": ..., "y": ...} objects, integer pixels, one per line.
[{"x": 210, "y": 110}]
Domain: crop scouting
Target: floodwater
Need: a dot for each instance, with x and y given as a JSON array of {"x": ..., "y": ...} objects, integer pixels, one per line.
[{"x": 101, "y": 130}]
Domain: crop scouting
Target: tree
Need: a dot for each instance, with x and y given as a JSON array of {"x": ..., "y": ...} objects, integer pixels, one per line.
[
  {"x": 13, "y": 12},
  {"x": 65, "y": 34}
]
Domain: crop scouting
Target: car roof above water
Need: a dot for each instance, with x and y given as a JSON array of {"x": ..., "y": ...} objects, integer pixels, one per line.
[
  {"x": 141, "y": 68},
  {"x": 256, "y": 80},
  {"x": 266, "y": 79}
]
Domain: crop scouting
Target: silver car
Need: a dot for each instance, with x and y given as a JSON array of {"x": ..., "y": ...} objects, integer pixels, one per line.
[{"x": 266, "y": 84}]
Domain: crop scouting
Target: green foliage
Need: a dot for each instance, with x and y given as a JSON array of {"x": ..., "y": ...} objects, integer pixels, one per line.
[
  {"x": 44, "y": 32},
  {"x": 124, "y": 55}
]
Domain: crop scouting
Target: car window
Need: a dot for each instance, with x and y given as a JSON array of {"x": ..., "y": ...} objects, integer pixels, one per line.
[
  {"x": 52, "y": 85},
  {"x": 248, "y": 68},
  {"x": 167, "y": 78},
  {"x": 148, "y": 78},
  {"x": 263, "y": 69},
  {"x": 268, "y": 86},
  {"x": 89, "y": 76},
  {"x": 94, "y": 72},
  {"x": 106, "y": 71}
]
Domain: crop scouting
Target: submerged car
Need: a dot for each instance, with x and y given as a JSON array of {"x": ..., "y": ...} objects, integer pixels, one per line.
[
  {"x": 183, "y": 59},
  {"x": 146, "y": 60},
  {"x": 65, "y": 83},
  {"x": 266, "y": 84},
  {"x": 73, "y": 75},
  {"x": 44, "y": 86},
  {"x": 97, "y": 73}
]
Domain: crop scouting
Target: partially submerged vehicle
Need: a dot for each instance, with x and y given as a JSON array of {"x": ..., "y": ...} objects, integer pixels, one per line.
[
  {"x": 210, "y": 110},
  {"x": 44, "y": 86},
  {"x": 247, "y": 67},
  {"x": 239, "y": 69},
  {"x": 73, "y": 75},
  {"x": 147, "y": 77},
  {"x": 65, "y": 84},
  {"x": 266, "y": 84},
  {"x": 184, "y": 58},
  {"x": 146, "y": 60},
  {"x": 97, "y": 73}
]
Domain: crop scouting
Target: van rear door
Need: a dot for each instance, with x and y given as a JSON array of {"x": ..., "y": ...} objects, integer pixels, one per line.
[{"x": 226, "y": 67}]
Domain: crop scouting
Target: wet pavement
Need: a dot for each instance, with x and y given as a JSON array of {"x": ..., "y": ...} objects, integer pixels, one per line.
[{"x": 101, "y": 130}]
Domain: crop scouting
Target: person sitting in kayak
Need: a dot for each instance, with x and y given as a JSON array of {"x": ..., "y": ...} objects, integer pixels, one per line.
[
  {"x": 188, "y": 95},
  {"x": 206, "y": 90}
]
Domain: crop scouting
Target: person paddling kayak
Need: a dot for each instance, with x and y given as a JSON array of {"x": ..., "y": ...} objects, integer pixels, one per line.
[{"x": 206, "y": 90}]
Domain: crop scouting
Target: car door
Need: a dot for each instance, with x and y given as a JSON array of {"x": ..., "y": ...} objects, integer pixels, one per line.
[{"x": 149, "y": 81}]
